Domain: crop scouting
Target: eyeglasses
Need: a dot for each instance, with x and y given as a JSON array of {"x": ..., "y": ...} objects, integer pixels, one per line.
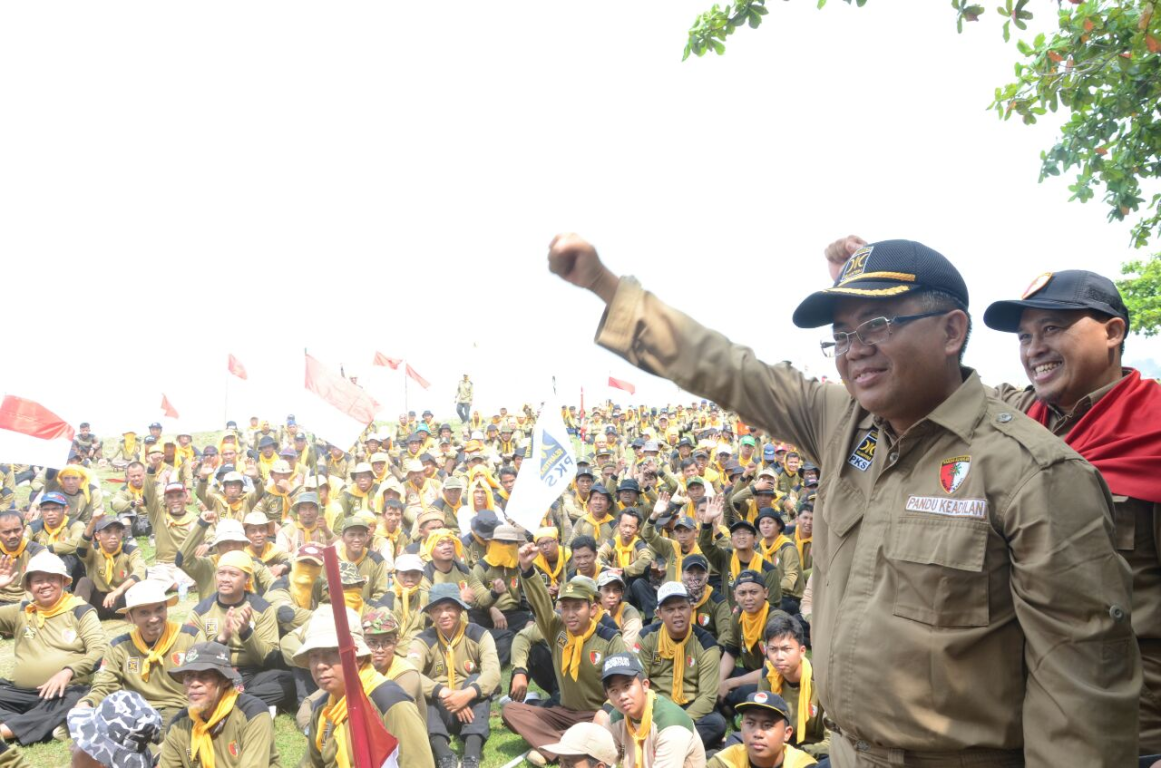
[
  {"x": 870, "y": 333},
  {"x": 379, "y": 643}
]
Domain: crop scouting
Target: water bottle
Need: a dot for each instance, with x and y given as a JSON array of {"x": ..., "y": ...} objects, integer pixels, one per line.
[{"x": 182, "y": 591}]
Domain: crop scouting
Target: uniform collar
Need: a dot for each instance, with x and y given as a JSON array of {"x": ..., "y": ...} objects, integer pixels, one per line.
[{"x": 958, "y": 414}]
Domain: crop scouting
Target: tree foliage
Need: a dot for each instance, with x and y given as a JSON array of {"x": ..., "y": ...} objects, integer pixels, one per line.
[
  {"x": 1142, "y": 294},
  {"x": 1102, "y": 64}
]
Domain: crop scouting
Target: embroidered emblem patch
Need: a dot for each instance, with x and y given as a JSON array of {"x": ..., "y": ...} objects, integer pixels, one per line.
[
  {"x": 233, "y": 749},
  {"x": 595, "y": 657},
  {"x": 856, "y": 264},
  {"x": 939, "y": 505},
  {"x": 469, "y": 666},
  {"x": 69, "y": 635},
  {"x": 211, "y": 628},
  {"x": 192, "y": 656},
  {"x": 953, "y": 471},
  {"x": 761, "y": 698},
  {"x": 515, "y": 582},
  {"x": 1037, "y": 285},
  {"x": 133, "y": 664},
  {"x": 177, "y": 659},
  {"x": 690, "y": 661},
  {"x": 864, "y": 452},
  {"x": 703, "y": 619}
]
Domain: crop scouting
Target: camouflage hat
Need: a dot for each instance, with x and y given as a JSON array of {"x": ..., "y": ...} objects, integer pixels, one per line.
[
  {"x": 380, "y": 622},
  {"x": 203, "y": 657},
  {"x": 118, "y": 731},
  {"x": 349, "y": 574}
]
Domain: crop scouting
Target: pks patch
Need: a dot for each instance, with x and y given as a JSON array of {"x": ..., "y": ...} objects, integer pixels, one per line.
[
  {"x": 177, "y": 658},
  {"x": 133, "y": 664},
  {"x": 864, "y": 452},
  {"x": 703, "y": 619},
  {"x": 595, "y": 657},
  {"x": 953, "y": 471},
  {"x": 938, "y": 505},
  {"x": 856, "y": 264},
  {"x": 233, "y": 749},
  {"x": 690, "y": 662},
  {"x": 469, "y": 666}
]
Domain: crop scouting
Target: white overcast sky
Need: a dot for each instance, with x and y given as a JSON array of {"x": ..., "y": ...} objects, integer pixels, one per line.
[{"x": 182, "y": 181}]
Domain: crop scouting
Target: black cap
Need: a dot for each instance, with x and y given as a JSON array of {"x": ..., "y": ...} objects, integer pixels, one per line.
[
  {"x": 603, "y": 491},
  {"x": 749, "y": 577},
  {"x": 766, "y": 700},
  {"x": 770, "y": 512},
  {"x": 1070, "y": 290},
  {"x": 584, "y": 470},
  {"x": 622, "y": 664},
  {"x": 694, "y": 560},
  {"x": 883, "y": 270},
  {"x": 155, "y": 425},
  {"x": 737, "y": 524},
  {"x": 629, "y": 484}
]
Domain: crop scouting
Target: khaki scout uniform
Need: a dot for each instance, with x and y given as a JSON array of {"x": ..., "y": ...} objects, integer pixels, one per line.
[
  {"x": 672, "y": 734},
  {"x": 80, "y": 508},
  {"x": 712, "y": 613},
  {"x": 701, "y": 674},
  {"x": 411, "y": 621},
  {"x": 1009, "y": 576},
  {"x": 399, "y": 714},
  {"x": 642, "y": 557},
  {"x": 461, "y": 576},
  {"x": 668, "y": 549},
  {"x": 474, "y": 658},
  {"x": 816, "y": 741},
  {"x": 122, "y": 501},
  {"x": 169, "y": 533},
  {"x": 1137, "y": 537},
  {"x": 720, "y": 553},
  {"x": 120, "y": 670},
  {"x": 602, "y": 533},
  {"x": 243, "y": 739},
  {"x": 67, "y": 538},
  {"x": 373, "y": 568},
  {"x": 204, "y": 569},
  {"x": 129, "y": 564},
  {"x": 72, "y": 639},
  {"x": 215, "y": 500},
  {"x": 14, "y": 592},
  {"x": 254, "y": 652}
]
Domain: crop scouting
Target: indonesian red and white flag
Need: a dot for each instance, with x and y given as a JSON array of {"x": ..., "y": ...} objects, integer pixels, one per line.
[
  {"x": 32, "y": 434},
  {"x": 387, "y": 362},
  {"x": 622, "y": 384},
  {"x": 334, "y": 408},
  {"x": 417, "y": 378},
  {"x": 167, "y": 407},
  {"x": 234, "y": 366}
]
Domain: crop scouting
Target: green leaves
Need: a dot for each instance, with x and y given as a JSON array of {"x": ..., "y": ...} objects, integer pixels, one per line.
[
  {"x": 711, "y": 28},
  {"x": 1141, "y": 291}
]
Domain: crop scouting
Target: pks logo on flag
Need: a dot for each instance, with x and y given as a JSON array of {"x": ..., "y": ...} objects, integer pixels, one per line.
[
  {"x": 541, "y": 482},
  {"x": 555, "y": 461}
]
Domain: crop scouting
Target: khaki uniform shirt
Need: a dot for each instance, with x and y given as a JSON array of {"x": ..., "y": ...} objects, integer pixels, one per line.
[
  {"x": 475, "y": 654},
  {"x": 73, "y": 639},
  {"x": 215, "y": 500},
  {"x": 399, "y": 714},
  {"x": 701, "y": 672},
  {"x": 120, "y": 670},
  {"x": 203, "y": 570},
  {"x": 460, "y": 575},
  {"x": 976, "y": 546},
  {"x": 606, "y": 531},
  {"x": 511, "y": 599},
  {"x": 14, "y": 592},
  {"x": 642, "y": 557},
  {"x": 67, "y": 539},
  {"x": 374, "y": 569},
  {"x": 256, "y": 645},
  {"x": 243, "y": 739},
  {"x": 128, "y": 565},
  {"x": 587, "y": 692},
  {"x": 816, "y": 741},
  {"x": 714, "y": 614}
]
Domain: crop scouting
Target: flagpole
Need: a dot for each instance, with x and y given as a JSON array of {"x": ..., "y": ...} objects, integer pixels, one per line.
[
  {"x": 360, "y": 745},
  {"x": 226, "y": 399}
]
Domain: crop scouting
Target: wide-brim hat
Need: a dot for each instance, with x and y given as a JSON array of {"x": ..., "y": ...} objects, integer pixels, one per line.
[
  {"x": 46, "y": 562},
  {"x": 320, "y": 634},
  {"x": 506, "y": 533},
  {"x": 118, "y": 731},
  {"x": 444, "y": 593},
  {"x": 148, "y": 592},
  {"x": 204, "y": 657}
]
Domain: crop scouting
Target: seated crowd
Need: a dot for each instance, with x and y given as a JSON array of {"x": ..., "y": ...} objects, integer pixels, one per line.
[{"x": 662, "y": 606}]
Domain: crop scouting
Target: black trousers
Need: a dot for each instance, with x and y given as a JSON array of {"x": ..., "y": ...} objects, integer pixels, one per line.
[
  {"x": 541, "y": 670},
  {"x": 32, "y": 718},
  {"x": 517, "y": 620},
  {"x": 274, "y": 686},
  {"x": 643, "y": 595},
  {"x": 86, "y": 590},
  {"x": 712, "y": 729},
  {"x": 440, "y": 722}
]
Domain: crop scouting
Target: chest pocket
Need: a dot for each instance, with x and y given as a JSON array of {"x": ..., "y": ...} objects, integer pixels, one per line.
[
  {"x": 1124, "y": 523},
  {"x": 840, "y": 506},
  {"x": 939, "y": 571}
]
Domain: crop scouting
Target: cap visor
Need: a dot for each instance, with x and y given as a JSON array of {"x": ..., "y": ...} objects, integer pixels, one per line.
[
  {"x": 1005, "y": 316},
  {"x": 817, "y": 309}
]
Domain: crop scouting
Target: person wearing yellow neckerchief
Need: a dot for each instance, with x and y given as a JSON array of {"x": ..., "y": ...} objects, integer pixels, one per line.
[
  {"x": 498, "y": 570},
  {"x": 382, "y": 632},
  {"x": 82, "y": 494},
  {"x": 682, "y": 661},
  {"x": 597, "y": 521},
  {"x": 354, "y": 547},
  {"x": 741, "y": 640},
  {"x": 646, "y": 725},
  {"x": 222, "y": 726},
  {"x": 306, "y": 525},
  {"x": 804, "y": 538},
  {"x": 576, "y": 503},
  {"x": 278, "y": 495},
  {"x": 229, "y": 536},
  {"x": 459, "y": 660},
  {"x": 15, "y": 545},
  {"x": 626, "y": 552},
  {"x": 329, "y": 733},
  {"x": 552, "y": 560},
  {"x": 56, "y": 531},
  {"x": 611, "y": 593},
  {"x": 128, "y": 450},
  {"x": 789, "y": 673},
  {"x": 766, "y": 730},
  {"x": 231, "y": 502},
  {"x": 729, "y": 557},
  {"x": 357, "y": 496},
  {"x": 140, "y": 660},
  {"x": 260, "y": 532},
  {"x": 267, "y": 455},
  {"x": 778, "y": 548},
  {"x": 58, "y": 642},
  {"x": 112, "y": 565}
]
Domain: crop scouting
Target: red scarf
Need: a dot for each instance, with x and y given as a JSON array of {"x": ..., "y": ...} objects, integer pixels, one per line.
[{"x": 1121, "y": 436}]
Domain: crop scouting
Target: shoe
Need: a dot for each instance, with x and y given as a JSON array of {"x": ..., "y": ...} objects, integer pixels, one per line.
[
  {"x": 535, "y": 758},
  {"x": 448, "y": 762},
  {"x": 61, "y": 733},
  {"x": 470, "y": 762}
]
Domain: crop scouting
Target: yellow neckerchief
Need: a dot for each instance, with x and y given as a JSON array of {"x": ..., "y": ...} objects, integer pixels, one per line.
[
  {"x": 680, "y": 556},
  {"x": 625, "y": 553},
  {"x": 618, "y": 617},
  {"x": 501, "y": 554},
  {"x": 668, "y": 648},
  {"x": 704, "y": 599},
  {"x": 639, "y": 736},
  {"x": 435, "y": 537},
  {"x": 303, "y": 456},
  {"x": 54, "y": 535},
  {"x": 303, "y": 576},
  {"x": 353, "y": 598},
  {"x": 362, "y": 496},
  {"x": 129, "y": 445},
  {"x": 404, "y": 600},
  {"x": 264, "y": 464},
  {"x": 172, "y": 522},
  {"x": 391, "y": 536},
  {"x": 805, "y": 691},
  {"x": 588, "y": 518},
  {"x": 800, "y": 544},
  {"x": 183, "y": 454},
  {"x": 200, "y": 741},
  {"x": 770, "y": 553},
  {"x": 86, "y": 480},
  {"x": 16, "y": 552},
  {"x": 554, "y": 572},
  {"x": 379, "y": 477},
  {"x": 136, "y": 493},
  {"x": 570, "y": 659},
  {"x": 156, "y": 654},
  {"x": 753, "y": 624},
  {"x": 269, "y": 551},
  {"x": 736, "y": 567},
  {"x": 308, "y": 534},
  {"x": 64, "y": 604},
  {"x": 110, "y": 558},
  {"x": 334, "y": 714},
  {"x": 449, "y": 652},
  {"x": 272, "y": 489}
]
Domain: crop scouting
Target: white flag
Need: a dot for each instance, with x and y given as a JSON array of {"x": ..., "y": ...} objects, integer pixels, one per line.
[{"x": 546, "y": 475}]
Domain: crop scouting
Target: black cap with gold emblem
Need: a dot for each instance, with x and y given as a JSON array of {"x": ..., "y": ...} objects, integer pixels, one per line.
[{"x": 1067, "y": 290}]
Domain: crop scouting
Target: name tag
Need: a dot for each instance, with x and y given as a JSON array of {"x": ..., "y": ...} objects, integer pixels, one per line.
[{"x": 938, "y": 505}]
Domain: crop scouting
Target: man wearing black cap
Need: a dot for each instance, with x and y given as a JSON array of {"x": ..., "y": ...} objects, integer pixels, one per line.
[
  {"x": 597, "y": 522},
  {"x": 765, "y": 731},
  {"x": 740, "y": 554},
  {"x": 958, "y": 540},
  {"x": 651, "y": 730},
  {"x": 576, "y": 503}
]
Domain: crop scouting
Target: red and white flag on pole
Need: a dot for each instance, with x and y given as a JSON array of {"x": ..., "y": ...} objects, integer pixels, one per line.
[
  {"x": 234, "y": 366},
  {"x": 335, "y": 408},
  {"x": 32, "y": 434},
  {"x": 167, "y": 407},
  {"x": 622, "y": 384},
  {"x": 417, "y": 378},
  {"x": 387, "y": 362}
]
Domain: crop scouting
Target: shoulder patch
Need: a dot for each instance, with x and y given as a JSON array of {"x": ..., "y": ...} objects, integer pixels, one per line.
[
  {"x": 281, "y": 583},
  {"x": 389, "y": 694},
  {"x": 252, "y": 706},
  {"x": 205, "y": 605},
  {"x": 81, "y": 610},
  {"x": 645, "y": 631},
  {"x": 427, "y": 636},
  {"x": 34, "y": 547},
  {"x": 118, "y": 640},
  {"x": 187, "y": 629},
  {"x": 257, "y": 601},
  {"x": 474, "y": 632},
  {"x": 606, "y": 632},
  {"x": 707, "y": 640},
  {"x": 130, "y": 547},
  {"x": 375, "y": 557}
]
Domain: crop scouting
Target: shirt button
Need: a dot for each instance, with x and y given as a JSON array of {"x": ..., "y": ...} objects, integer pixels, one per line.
[
  {"x": 862, "y": 746},
  {"x": 1118, "y": 613},
  {"x": 894, "y": 456},
  {"x": 1004, "y": 417}
]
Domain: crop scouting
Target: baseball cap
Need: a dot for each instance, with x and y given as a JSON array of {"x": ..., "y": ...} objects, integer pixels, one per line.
[
  {"x": 671, "y": 589},
  {"x": 768, "y": 453},
  {"x": 766, "y": 700},
  {"x": 586, "y": 740},
  {"x": 694, "y": 561},
  {"x": 155, "y": 425},
  {"x": 622, "y": 664},
  {"x": 685, "y": 521},
  {"x": 739, "y": 524},
  {"x": 408, "y": 562},
  {"x": 576, "y": 589},
  {"x": 106, "y": 521},
  {"x": 52, "y": 497},
  {"x": 310, "y": 552},
  {"x": 1069, "y": 289},
  {"x": 749, "y": 440},
  {"x": 749, "y": 577},
  {"x": 608, "y": 577},
  {"x": 883, "y": 270}
]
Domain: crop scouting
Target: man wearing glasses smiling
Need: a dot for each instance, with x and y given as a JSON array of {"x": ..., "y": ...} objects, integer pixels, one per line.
[{"x": 969, "y": 604}]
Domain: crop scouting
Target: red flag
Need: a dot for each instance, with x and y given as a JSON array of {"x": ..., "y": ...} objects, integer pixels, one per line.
[
  {"x": 371, "y": 745},
  {"x": 388, "y": 362},
  {"x": 339, "y": 409},
  {"x": 418, "y": 379},
  {"x": 622, "y": 384},
  {"x": 234, "y": 366},
  {"x": 167, "y": 407},
  {"x": 32, "y": 434}
]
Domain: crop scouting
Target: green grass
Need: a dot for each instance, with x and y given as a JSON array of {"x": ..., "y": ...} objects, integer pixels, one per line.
[{"x": 500, "y": 748}]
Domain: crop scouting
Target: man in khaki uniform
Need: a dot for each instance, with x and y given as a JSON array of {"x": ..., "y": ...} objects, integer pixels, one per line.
[
  {"x": 112, "y": 564},
  {"x": 956, "y": 539},
  {"x": 19, "y": 550}
]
